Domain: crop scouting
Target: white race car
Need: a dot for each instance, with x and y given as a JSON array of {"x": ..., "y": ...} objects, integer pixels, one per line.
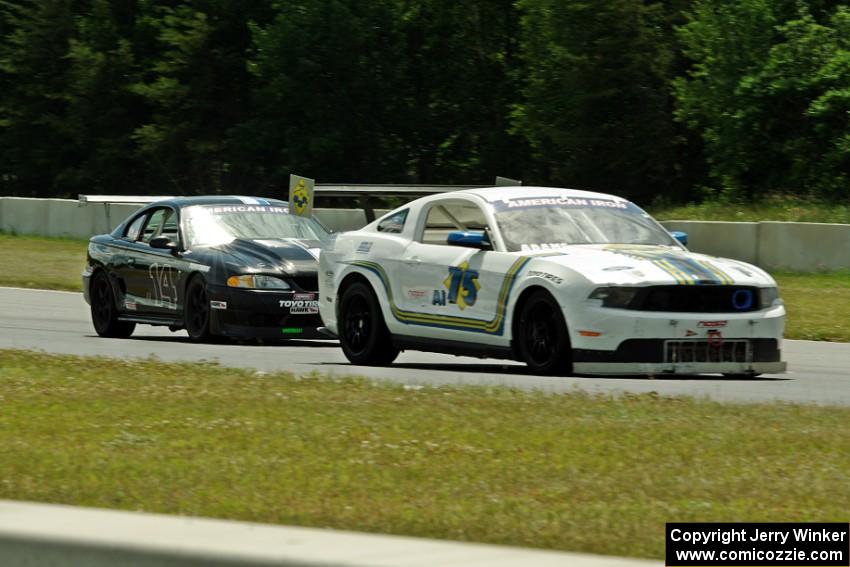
[{"x": 564, "y": 280}]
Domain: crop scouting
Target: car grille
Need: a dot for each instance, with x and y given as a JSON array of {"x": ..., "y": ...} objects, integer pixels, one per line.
[
  {"x": 306, "y": 283},
  {"x": 736, "y": 350},
  {"x": 697, "y": 299}
]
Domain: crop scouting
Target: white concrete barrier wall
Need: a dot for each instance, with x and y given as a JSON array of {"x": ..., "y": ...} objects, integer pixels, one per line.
[
  {"x": 63, "y": 536},
  {"x": 772, "y": 245},
  {"x": 795, "y": 246},
  {"x": 66, "y": 218},
  {"x": 804, "y": 246}
]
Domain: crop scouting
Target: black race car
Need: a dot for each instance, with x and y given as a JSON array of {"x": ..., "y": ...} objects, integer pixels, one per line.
[{"x": 239, "y": 267}]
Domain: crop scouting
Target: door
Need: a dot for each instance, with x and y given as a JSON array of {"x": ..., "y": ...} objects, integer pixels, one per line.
[
  {"x": 153, "y": 273},
  {"x": 454, "y": 292}
]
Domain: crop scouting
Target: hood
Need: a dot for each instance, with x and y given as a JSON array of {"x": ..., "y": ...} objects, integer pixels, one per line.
[
  {"x": 625, "y": 264},
  {"x": 286, "y": 255}
]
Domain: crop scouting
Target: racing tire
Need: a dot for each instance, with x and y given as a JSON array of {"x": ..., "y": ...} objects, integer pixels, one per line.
[
  {"x": 196, "y": 310},
  {"x": 364, "y": 336},
  {"x": 104, "y": 313},
  {"x": 542, "y": 341}
]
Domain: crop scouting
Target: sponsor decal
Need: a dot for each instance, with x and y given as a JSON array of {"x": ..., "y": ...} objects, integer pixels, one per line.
[
  {"x": 546, "y": 275},
  {"x": 225, "y": 209},
  {"x": 416, "y": 293},
  {"x": 684, "y": 269},
  {"x": 303, "y": 296},
  {"x": 690, "y": 333},
  {"x": 562, "y": 202},
  {"x": 312, "y": 310},
  {"x": 300, "y": 307},
  {"x": 364, "y": 247},
  {"x": 130, "y": 305},
  {"x": 616, "y": 268},
  {"x": 292, "y": 330},
  {"x": 494, "y": 326},
  {"x": 712, "y": 323},
  {"x": 461, "y": 287},
  {"x": 715, "y": 338},
  {"x": 218, "y": 304}
]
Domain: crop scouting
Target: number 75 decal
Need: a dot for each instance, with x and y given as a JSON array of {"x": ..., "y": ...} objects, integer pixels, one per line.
[{"x": 462, "y": 284}]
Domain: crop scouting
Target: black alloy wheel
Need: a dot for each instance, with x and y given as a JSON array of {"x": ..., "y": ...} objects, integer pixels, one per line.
[
  {"x": 197, "y": 310},
  {"x": 363, "y": 334},
  {"x": 104, "y": 313},
  {"x": 542, "y": 339}
]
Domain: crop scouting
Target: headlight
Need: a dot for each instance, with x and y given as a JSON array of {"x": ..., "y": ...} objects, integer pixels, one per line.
[
  {"x": 615, "y": 296},
  {"x": 768, "y": 296},
  {"x": 257, "y": 282}
]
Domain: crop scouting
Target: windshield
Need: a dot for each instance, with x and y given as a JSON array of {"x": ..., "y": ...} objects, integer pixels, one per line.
[
  {"x": 220, "y": 224},
  {"x": 555, "y": 222}
]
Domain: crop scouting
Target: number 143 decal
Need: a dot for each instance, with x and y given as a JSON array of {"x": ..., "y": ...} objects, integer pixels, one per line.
[{"x": 164, "y": 290}]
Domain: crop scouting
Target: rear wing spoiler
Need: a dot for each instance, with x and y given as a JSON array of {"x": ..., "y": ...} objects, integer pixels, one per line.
[{"x": 365, "y": 194}]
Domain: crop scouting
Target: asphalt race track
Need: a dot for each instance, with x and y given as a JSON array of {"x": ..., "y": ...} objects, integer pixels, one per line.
[{"x": 58, "y": 322}]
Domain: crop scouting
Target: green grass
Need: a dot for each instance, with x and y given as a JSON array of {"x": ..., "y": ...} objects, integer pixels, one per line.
[
  {"x": 769, "y": 208},
  {"x": 576, "y": 472},
  {"x": 818, "y": 304},
  {"x": 44, "y": 263}
]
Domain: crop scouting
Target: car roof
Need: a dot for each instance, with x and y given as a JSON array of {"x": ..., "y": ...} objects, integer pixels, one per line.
[
  {"x": 492, "y": 194},
  {"x": 180, "y": 202}
]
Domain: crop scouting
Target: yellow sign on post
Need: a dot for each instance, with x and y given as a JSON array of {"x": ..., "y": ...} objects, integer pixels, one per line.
[{"x": 301, "y": 195}]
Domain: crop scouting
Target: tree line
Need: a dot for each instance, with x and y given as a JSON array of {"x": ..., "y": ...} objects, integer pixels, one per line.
[{"x": 650, "y": 99}]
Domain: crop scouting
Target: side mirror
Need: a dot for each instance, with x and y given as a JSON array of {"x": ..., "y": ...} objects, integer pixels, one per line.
[
  {"x": 163, "y": 243},
  {"x": 472, "y": 239},
  {"x": 682, "y": 237}
]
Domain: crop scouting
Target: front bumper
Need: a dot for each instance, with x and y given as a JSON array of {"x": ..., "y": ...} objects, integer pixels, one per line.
[
  {"x": 264, "y": 314},
  {"x": 86, "y": 277},
  {"x": 621, "y": 341},
  {"x": 643, "y": 368}
]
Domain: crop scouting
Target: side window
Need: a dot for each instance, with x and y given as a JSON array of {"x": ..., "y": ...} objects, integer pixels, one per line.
[
  {"x": 448, "y": 216},
  {"x": 156, "y": 222},
  {"x": 393, "y": 224},
  {"x": 169, "y": 227},
  {"x": 135, "y": 228}
]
